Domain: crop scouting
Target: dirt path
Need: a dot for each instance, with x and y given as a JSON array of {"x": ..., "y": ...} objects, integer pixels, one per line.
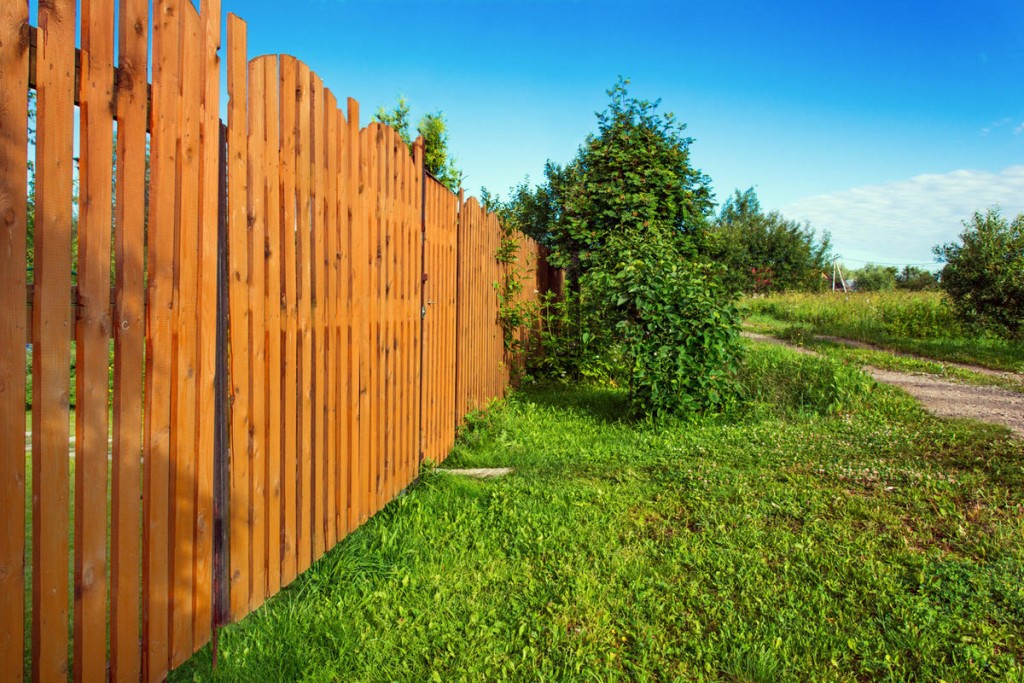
[
  {"x": 853, "y": 343},
  {"x": 946, "y": 399}
]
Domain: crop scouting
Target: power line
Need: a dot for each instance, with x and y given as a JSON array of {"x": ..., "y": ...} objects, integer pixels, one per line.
[{"x": 890, "y": 263}]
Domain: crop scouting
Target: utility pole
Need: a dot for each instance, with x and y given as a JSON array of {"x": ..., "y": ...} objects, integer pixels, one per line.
[{"x": 836, "y": 268}]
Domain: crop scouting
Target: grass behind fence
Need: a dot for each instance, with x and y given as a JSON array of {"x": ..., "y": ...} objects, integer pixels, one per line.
[{"x": 831, "y": 533}]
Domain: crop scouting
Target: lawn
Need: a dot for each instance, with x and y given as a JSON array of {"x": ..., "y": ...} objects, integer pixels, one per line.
[{"x": 828, "y": 529}]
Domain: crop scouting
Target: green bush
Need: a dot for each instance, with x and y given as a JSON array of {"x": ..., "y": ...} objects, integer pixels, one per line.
[
  {"x": 984, "y": 273},
  {"x": 679, "y": 333},
  {"x": 627, "y": 219},
  {"x": 766, "y": 252}
]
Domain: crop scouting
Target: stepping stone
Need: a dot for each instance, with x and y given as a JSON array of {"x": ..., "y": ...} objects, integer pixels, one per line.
[{"x": 481, "y": 472}]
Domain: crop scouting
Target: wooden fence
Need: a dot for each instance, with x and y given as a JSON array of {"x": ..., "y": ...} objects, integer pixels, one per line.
[{"x": 361, "y": 324}]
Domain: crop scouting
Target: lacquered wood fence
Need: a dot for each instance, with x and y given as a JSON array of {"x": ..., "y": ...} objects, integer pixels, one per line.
[{"x": 361, "y": 325}]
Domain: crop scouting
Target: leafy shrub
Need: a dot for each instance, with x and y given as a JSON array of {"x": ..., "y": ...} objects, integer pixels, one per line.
[
  {"x": 679, "y": 333},
  {"x": 627, "y": 219},
  {"x": 984, "y": 273},
  {"x": 766, "y": 252},
  {"x": 575, "y": 346}
]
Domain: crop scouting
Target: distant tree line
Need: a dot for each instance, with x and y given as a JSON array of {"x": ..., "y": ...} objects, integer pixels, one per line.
[{"x": 879, "y": 278}]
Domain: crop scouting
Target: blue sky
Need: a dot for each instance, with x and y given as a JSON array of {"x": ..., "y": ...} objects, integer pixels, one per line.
[{"x": 886, "y": 123}]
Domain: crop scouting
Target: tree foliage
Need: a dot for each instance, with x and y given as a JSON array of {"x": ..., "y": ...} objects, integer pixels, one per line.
[
  {"x": 627, "y": 218},
  {"x": 433, "y": 127},
  {"x": 766, "y": 252},
  {"x": 633, "y": 179},
  {"x": 914, "y": 279},
  {"x": 874, "y": 278},
  {"x": 984, "y": 271}
]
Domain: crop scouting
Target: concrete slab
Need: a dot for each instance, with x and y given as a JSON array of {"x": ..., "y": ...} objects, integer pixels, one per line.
[{"x": 480, "y": 472}]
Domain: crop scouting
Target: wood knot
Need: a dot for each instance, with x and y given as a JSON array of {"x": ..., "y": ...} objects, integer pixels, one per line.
[
  {"x": 24, "y": 36},
  {"x": 126, "y": 76}
]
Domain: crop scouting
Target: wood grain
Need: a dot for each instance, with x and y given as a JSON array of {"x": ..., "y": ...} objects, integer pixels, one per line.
[
  {"x": 93, "y": 332},
  {"x": 51, "y": 339},
  {"x": 129, "y": 342},
  {"x": 159, "y": 335},
  {"x": 257, "y": 247},
  {"x": 206, "y": 331},
  {"x": 238, "y": 293},
  {"x": 13, "y": 333},
  {"x": 184, "y": 395}
]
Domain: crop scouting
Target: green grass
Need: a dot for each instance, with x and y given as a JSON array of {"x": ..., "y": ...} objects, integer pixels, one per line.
[
  {"x": 921, "y": 323},
  {"x": 895, "y": 361},
  {"x": 835, "y": 532}
]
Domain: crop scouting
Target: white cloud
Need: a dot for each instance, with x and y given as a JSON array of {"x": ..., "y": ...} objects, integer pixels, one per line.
[
  {"x": 1019, "y": 129},
  {"x": 900, "y": 222},
  {"x": 999, "y": 124}
]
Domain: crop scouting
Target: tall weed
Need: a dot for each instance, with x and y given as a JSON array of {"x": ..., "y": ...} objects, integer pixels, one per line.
[
  {"x": 786, "y": 383},
  {"x": 868, "y": 316}
]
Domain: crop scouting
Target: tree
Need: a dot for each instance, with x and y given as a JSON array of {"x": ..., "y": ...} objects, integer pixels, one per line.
[
  {"x": 532, "y": 211},
  {"x": 874, "y": 278},
  {"x": 633, "y": 180},
  {"x": 767, "y": 252},
  {"x": 397, "y": 118},
  {"x": 914, "y": 279},
  {"x": 628, "y": 220},
  {"x": 434, "y": 128},
  {"x": 984, "y": 272},
  {"x": 437, "y": 160}
]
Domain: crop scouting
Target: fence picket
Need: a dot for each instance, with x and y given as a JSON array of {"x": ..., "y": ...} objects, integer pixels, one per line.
[
  {"x": 206, "y": 301},
  {"x": 330, "y": 305},
  {"x": 318, "y": 331},
  {"x": 159, "y": 329},
  {"x": 93, "y": 329},
  {"x": 273, "y": 306},
  {"x": 239, "y": 317},
  {"x": 304, "y": 266},
  {"x": 14, "y": 61},
  {"x": 289, "y": 474},
  {"x": 257, "y": 246},
  {"x": 51, "y": 340},
  {"x": 357, "y": 320},
  {"x": 129, "y": 340},
  {"x": 184, "y": 395}
]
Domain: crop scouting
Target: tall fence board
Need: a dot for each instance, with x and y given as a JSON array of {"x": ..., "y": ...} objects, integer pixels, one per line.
[
  {"x": 361, "y": 325},
  {"x": 14, "y": 78},
  {"x": 441, "y": 226},
  {"x": 481, "y": 372},
  {"x": 129, "y": 343}
]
